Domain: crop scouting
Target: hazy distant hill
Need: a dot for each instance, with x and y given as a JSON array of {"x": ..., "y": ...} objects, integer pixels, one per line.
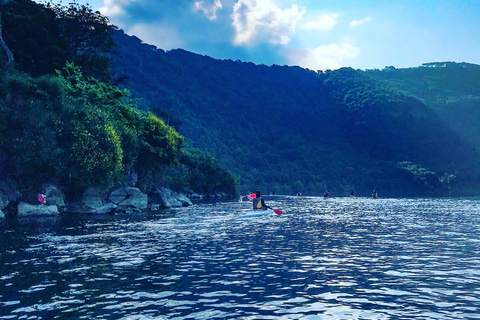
[
  {"x": 287, "y": 129},
  {"x": 451, "y": 90}
]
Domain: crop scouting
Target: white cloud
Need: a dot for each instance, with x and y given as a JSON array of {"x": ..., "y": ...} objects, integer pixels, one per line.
[
  {"x": 263, "y": 20},
  {"x": 324, "y": 22},
  {"x": 209, "y": 11},
  {"x": 162, "y": 37},
  {"x": 356, "y": 23},
  {"x": 332, "y": 56},
  {"x": 114, "y": 8}
]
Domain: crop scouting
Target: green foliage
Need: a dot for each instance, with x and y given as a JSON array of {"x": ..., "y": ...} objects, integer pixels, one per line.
[
  {"x": 428, "y": 181},
  {"x": 75, "y": 128},
  {"x": 28, "y": 144},
  {"x": 90, "y": 40},
  {"x": 32, "y": 33},
  {"x": 205, "y": 174},
  {"x": 43, "y": 37},
  {"x": 79, "y": 132},
  {"x": 110, "y": 126}
]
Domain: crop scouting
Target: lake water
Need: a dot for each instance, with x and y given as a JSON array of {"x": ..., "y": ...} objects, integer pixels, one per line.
[{"x": 342, "y": 258}]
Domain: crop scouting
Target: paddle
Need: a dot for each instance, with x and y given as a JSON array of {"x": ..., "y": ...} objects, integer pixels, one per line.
[{"x": 277, "y": 211}]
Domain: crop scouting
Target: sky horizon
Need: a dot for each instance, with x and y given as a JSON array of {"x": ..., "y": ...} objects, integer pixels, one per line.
[{"x": 313, "y": 34}]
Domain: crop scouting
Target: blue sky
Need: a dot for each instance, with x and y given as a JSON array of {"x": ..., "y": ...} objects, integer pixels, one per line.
[{"x": 314, "y": 34}]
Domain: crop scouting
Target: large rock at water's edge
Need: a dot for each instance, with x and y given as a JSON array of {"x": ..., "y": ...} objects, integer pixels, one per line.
[
  {"x": 55, "y": 196},
  {"x": 40, "y": 210},
  {"x": 167, "y": 198},
  {"x": 2, "y": 216},
  {"x": 91, "y": 198},
  {"x": 218, "y": 195},
  {"x": 194, "y": 196},
  {"x": 92, "y": 203},
  {"x": 134, "y": 201},
  {"x": 183, "y": 199},
  {"x": 117, "y": 195}
]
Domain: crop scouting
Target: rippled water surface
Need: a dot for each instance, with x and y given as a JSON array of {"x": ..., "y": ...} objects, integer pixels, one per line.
[{"x": 345, "y": 258}]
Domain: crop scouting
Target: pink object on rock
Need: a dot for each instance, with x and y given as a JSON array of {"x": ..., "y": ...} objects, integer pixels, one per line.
[{"x": 42, "y": 198}]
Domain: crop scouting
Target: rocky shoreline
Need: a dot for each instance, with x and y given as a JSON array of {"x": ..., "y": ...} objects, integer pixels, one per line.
[{"x": 125, "y": 199}]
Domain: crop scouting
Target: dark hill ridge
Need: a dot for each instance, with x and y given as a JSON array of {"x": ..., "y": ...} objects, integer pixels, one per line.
[{"x": 288, "y": 129}]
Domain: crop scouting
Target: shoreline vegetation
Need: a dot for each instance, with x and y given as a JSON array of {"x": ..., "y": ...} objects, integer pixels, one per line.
[{"x": 66, "y": 124}]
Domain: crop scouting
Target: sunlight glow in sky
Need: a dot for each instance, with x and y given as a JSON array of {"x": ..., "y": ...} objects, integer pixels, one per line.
[{"x": 314, "y": 34}]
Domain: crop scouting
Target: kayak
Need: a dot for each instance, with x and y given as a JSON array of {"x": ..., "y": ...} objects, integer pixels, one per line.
[{"x": 256, "y": 213}]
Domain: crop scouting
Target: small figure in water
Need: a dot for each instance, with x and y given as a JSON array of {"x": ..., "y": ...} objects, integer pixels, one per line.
[
  {"x": 352, "y": 193},
  {"x": 326, "y": 194},
  {"x": 258, "y": 202},
  {"x": 374, "y": 194}
]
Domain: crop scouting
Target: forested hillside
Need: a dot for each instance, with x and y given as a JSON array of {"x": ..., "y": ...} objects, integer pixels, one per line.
[
  {"x": 450, "y": 90},
  {"x": 286, "y": 129}
]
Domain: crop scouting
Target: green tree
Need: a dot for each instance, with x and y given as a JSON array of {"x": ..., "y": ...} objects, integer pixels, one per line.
[
  {"x": 43, "y": 37},
  {"x": 33, "y": 34},
  {"x": 90, "y": 38}
]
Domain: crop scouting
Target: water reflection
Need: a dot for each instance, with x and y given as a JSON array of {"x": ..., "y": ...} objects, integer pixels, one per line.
[{"x": 345, "y": 258}]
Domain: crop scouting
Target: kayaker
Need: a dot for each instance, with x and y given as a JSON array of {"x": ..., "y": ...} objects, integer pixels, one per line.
[{"x": 258, "y": 202}]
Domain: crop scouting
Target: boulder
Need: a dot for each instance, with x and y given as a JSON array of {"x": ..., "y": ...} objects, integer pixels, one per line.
[
  {"x": 117, "y": 195},
  {"x": 135, "y": 200},
  {"x": 55, "y": 196},
  {"x": 183, "y": 199},
  {"x": 11, "y": 209},
  {"x": 195, "y": 196},
  {"x": 163, "y": 197},
  {"x": 92, "y": 199},
  {"x": 25, "y": 209},
  {"x": 167, "y": 198},
  {"x": 2, "y": 216},
  {"x": 218, "y": 195},
  {"x": 91, "y": 202}
]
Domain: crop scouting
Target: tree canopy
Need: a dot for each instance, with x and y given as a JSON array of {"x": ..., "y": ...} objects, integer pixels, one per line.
[{"x": 64, "y": 122}]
